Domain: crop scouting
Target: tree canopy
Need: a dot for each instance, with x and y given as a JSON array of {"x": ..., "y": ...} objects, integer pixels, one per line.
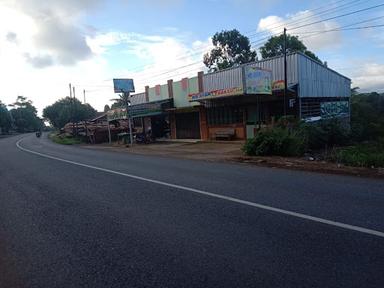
[
  {"x": 24, "y": 115},
  {"x": 230, "y": 48},
  {"x": 121, "y": 101},
  {"x": 67, "y": 110},
  {"x": 367, "y": 115},
  {"x": 106, "y": 108},
  {"x": 275, "y": 47},
  {"x": 5, "y": 119}
]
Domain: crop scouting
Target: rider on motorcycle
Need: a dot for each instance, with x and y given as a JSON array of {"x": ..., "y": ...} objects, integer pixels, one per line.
[{"x": 38, "y": 133}]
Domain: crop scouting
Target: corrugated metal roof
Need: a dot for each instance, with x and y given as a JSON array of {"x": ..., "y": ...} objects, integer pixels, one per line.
[
  {"x": 138, "y": 98},
  {"x": 314, "y": 78},
  {"x": 225, "y": 79},
  {"x": 317, "y": 80},
  {"x": 276, "y": 65}
]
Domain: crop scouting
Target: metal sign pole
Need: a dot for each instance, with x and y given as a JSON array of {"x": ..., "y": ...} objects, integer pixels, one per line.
[
  {"x": 285, "y": 72},
  {"x": 125, "y": 86},
  {"x": 126, "y": 99}
]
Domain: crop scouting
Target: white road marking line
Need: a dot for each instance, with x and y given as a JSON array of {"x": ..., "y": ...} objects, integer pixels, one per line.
[{"x": 222, "y": 197}]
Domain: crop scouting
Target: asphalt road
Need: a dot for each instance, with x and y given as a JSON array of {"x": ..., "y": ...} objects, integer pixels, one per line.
[{"x": 74, "y": 217}]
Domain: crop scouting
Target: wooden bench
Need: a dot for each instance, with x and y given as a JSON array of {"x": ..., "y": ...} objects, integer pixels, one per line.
[{"x": 227, "y": 134}]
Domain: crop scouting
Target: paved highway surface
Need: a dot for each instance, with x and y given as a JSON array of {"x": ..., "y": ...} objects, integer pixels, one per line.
[{"x": 74, "y": 217}]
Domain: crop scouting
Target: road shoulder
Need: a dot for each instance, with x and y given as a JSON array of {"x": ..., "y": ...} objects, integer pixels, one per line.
[{"x": 231, "y": 152}]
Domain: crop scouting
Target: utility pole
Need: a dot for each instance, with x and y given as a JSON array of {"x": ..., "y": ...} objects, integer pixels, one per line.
[
  {"x": 285, "y": 72},
  {"x": 72, "y": 108},
  {"x": 126, "y": 102},
  {"x": 84, "y": 95}
]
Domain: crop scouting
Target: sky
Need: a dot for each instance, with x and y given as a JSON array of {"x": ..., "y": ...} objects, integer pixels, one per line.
[{"x": 45, "y": 45}]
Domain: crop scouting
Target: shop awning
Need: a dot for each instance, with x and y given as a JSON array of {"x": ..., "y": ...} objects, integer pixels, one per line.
[{"x": 151, "y": 108}]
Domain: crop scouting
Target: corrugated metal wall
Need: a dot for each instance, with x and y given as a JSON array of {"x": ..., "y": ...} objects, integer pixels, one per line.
[
  {"x": 230, "y": 78},
  {"x": 277, "y": 66},
  {"x": 317, "y": 80},
  {"x": 138, "y": 99},
  {"x": 314, "y": 79}
]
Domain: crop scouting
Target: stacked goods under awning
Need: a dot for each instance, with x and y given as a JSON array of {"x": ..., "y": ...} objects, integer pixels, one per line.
[{"x": 96, "y": 130}]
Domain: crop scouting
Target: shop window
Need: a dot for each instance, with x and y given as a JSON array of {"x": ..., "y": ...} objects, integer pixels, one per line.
[
  {"x": 137, "y": 122},
  {"x": 310, "y": 108},
  {"x": 224, "y": 115}
]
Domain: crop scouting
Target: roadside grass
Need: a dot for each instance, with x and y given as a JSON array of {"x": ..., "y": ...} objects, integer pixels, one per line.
[
  {"x": 328, "y": 140},
  {"x": 64, "y": 140},
  {"x": 369, "y": 155}
]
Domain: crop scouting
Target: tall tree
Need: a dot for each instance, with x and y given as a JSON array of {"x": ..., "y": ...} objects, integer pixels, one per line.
[
  {"x": 67, "y": 110},
  {"x": 106, "y": 108},
  {"x": 275, "y": 47},
  {"x": 5, "y": 119},
  {"x": 24, "y": 115},
  {"x": 230, "y": 48},
  {"x": 367, "y": 116},
  {"x": 122, "y": 101},
  {"x": 355, "y": 91}
]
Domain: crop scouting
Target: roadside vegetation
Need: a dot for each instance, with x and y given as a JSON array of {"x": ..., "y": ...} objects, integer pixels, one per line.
[
  {"x": 63, "y": 111},
  {"x": 64, "y": 139},
  {"x": 276, "y": 141},
  {"x": 360, "y": 145},
  {"x": 361, "y": 155},
  {"x": 67, "y": 110},
  {"x": 21, "y": 117}
]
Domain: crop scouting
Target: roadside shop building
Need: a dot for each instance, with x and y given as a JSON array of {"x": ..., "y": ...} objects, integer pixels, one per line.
[{"x": 238, "y": 101}]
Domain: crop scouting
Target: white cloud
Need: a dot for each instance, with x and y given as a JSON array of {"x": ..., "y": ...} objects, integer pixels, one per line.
[
  {"x": 28, "y": 44},
  {"x": 164, "y": 54},
  {"x": 369, "y": 77},
  {"x": 11, "y": 37},
  {"x": 315, "y": 41},
  {"x": 39, "y": 61},
  {"x": 53, "y": 29}
]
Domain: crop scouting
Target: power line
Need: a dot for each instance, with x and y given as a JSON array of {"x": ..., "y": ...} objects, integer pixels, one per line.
[
  {"x": 311, "y": 10},
  {"x": 339, "y": 16},
  {"x": 344, "y": 29},
  {"x": 338, "y": 29},
  {"x": 317, "y": 32},
  {"x": 199, "y": 51},
  {"x": 168, "y": 71},
  {"x": 353, "y": 24},
  {"x": 328, "y": 11},
  {"x": 294, "y": 28}
]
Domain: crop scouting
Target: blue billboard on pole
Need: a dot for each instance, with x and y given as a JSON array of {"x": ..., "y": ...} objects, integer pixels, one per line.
[{"x": 123, "y": 85}]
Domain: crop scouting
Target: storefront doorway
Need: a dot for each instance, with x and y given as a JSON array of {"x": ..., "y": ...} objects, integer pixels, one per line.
[{"x": 188, "y": 125}]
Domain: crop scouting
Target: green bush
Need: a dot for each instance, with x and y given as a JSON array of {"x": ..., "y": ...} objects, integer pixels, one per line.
[
  {"x": 362, "y": 155},
  {"x": 249, "y": 148},
  {"x": 64, "y": 140},
  {"x": 324, "y": 134},
  {"x": 277, "y": 141},
  {"x": 288, "y": 122},
  {"x": 367, "y": 116}
]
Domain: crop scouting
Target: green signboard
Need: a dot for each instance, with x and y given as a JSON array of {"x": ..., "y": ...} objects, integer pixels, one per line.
[{"x": 334, "y": 109}]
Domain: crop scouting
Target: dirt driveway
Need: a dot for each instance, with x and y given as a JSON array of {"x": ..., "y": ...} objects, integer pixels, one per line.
[{"x": 208, "y": 151}]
